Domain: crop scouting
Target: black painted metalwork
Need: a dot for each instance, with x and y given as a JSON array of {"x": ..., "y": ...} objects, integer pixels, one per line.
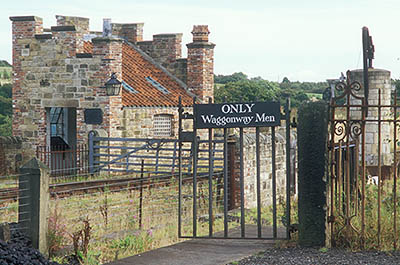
[{"x": 208, "y": 210}]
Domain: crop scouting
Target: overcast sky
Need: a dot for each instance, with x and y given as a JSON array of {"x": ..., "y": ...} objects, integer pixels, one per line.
[{"x": 302, "y": 40}]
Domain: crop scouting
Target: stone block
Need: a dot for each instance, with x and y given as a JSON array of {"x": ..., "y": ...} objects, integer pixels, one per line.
[{"x": 5, "y": 234}]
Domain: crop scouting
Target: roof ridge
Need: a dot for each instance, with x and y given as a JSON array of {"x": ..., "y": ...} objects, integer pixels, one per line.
[{"x": 151, "y": 60}]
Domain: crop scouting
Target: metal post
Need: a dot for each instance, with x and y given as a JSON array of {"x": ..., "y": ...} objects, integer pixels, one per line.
[
  {"x": 180, "y": 110},
  {"x": 194, "y": 148},
  {"x": 141, "y": 195},
  {"x": 274, "y": 225},
  {"x": 225, "y": 182},
  {"x": 210, "y": 175},
  {"x": 287, "y": 117},
  {"x": 258, "y": 182},
  {"x": 91, "y": 152},
  {"x": 242, "y": 215}
]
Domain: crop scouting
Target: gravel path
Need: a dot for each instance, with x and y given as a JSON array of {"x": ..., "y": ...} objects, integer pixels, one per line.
[{"x": 307, "y": 256}]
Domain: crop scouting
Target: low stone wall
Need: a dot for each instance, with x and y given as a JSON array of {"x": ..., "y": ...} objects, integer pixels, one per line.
[
  {"x": 11, "y": 155},
  {"x": 250, "y": 167}
]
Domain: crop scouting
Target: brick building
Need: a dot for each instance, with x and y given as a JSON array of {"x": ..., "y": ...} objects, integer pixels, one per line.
[{"x": 59, "y": 77}]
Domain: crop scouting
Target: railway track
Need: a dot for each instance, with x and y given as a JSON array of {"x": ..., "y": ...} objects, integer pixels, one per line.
[{"x": 61, "y": 190}]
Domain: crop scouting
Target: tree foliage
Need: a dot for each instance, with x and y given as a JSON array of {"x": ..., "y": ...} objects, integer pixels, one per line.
[
  {"x": 5, "y": 110},
  {"x": 4, "y": 63},
  {"x": 238, "y": 87}
]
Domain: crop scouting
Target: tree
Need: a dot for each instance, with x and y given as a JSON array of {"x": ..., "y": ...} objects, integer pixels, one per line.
[
  {"x": 247, "y": 90},
  {"x": 5, "y": 125},
  {"x": 223, "y": 79},
  {"x": 6, "y": 75}
]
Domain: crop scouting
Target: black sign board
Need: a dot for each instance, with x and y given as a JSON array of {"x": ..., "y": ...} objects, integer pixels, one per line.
[
  {"x": 230, "y": 115},
  {"x": 93, "y": 116}
]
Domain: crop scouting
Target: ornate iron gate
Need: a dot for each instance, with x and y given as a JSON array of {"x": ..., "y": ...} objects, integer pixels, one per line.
[
  {"x": 204, "y": 208},
  {"x": 363, "y": 148}
]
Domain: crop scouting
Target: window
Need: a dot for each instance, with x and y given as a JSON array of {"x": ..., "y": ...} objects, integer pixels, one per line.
[
  {"x": 157, "y": 85},
  {"x": 57, "y": 122},
  {"x": 163, "y": 125}
]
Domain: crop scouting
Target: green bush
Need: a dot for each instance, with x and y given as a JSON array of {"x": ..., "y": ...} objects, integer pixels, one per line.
[{"x": 312, "y": 133}]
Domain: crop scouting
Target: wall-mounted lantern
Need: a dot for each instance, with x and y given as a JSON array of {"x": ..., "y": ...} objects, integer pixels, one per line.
[{"x": 113, "y": 86}]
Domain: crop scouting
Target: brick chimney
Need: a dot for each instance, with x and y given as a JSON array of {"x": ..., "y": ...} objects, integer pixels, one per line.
[
  {"x": 132, "y": 32},
  {"x": 74, "y": 28},
  {"x": 109, "y": 51},
  {"x": 24, "y": 29},
  {"x": 200, "y": 64}
]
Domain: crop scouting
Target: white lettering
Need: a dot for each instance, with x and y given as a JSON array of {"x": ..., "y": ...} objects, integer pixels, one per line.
[
  {"x": 206, "y": 118},
  {"x": 264, "y": 118},
  {"x": 225, "y": 109},
  {"x": 249, "y": 107}
]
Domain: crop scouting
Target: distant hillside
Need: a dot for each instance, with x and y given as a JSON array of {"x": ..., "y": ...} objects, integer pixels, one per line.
[{"x": 4, "y": 63}]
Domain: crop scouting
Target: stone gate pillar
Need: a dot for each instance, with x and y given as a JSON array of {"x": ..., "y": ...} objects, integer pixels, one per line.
[{"x": 379, "y": 79}]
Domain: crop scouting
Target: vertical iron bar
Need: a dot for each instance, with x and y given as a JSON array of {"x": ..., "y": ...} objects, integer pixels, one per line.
[
  {"x": 194, "y": 173},
  {"x": 225, "y": 182},
  {"x": 258, "y": 182},
  {"x": 91, "y": 153},
  {"x": 287, "y": 116},
  {"x": 363, "y": 173},
  {"x": 346, "y": 168},
  {"x": 379, "y": 168},
  {"x": 180, "y": 167},
  {"x": 274, "y": 227},
  {"x": 210, "y": 177},
  {"x": 173, "y": 159},
  {"x": 356, "y": 156},
  {"x": 332, "y": 180},
  {"x": 141, "y": 195},
  {"x": 242, "y": 215},
  {"x": 340, "y": 177},
  {"x": 395, "y": 173}
]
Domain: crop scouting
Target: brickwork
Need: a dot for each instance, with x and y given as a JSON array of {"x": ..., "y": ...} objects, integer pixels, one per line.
[
  {"x": 53, "y": 69},
  {"x": 132, "y": 32},
  {"x": 81, "y": 26},
  {"x": 200, "y": 64},
  {"x": 50, "y": 75}
]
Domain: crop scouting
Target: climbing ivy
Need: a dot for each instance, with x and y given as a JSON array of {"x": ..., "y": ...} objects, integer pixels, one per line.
[{"x": 312, "y": 133}]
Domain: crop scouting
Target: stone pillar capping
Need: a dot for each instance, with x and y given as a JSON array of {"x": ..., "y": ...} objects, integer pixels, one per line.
[
  {"x": 81, "y": 23},
  {"x": 33, "y": 202},
  {"x": 26, "y": 18}
]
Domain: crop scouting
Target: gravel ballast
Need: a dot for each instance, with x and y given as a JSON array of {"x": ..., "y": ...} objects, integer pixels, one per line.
[
  {"x": 306, "y": 256},
  {"x": 18, "y": 251}
]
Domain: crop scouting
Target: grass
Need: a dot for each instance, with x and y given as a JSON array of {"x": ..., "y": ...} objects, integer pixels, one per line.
[
  {"x": 9, "y": 72},
  {"x": 373, "y": 238},
  {"x": 116, "y": 228}
]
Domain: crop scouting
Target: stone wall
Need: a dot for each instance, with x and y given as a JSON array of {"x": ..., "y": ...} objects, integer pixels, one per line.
[
  {"x": 13, "y": 154},
  {"x": 379, "y": 83},
  {"x": 49, "y": 72},
  {"x": 250, "y": 167},
  {"x": 138, "y": 122}
]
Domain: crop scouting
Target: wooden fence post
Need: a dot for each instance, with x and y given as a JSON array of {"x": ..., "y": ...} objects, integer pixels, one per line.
[{"x": 33, "y": 202}]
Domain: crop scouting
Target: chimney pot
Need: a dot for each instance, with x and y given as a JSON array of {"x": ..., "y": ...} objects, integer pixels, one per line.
[
  {"x": 200, "y": 33},
  {"x": 107, "y": 27}
]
